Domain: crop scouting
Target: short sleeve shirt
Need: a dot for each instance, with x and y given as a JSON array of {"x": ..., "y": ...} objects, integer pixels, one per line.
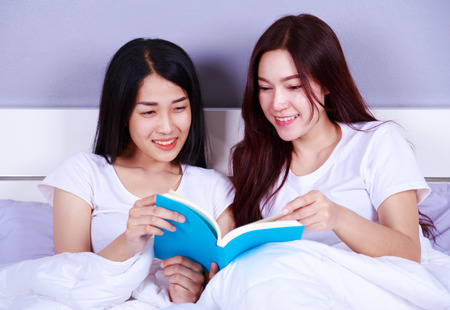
[
  {"x": 94, "y": 180},
  {"x": 371, "y": 162}
]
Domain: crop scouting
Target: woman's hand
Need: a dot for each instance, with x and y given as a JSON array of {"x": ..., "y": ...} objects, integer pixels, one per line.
[
  {"x": 145, "y": 219},
  {"x": 314, "y": 210},
  {"x": 186, "y": 279},
  {"x": 396, "y": 234}
]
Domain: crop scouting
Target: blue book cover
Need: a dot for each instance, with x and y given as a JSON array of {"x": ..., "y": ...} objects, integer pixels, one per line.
[{"x": 199, "y": 237}]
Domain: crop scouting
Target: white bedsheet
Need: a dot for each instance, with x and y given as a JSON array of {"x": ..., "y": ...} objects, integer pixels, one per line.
[{"x": 292, "y": 275}]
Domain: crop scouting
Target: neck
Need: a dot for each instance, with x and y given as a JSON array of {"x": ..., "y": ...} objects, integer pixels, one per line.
[
  {"x": 130, "y": 158},
  {"x": 322, "y": 135},
  {"x": 313, "y": 150}
]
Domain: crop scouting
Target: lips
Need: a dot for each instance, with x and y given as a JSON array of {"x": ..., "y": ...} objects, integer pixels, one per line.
[
  {"x": 285, "y": 120},
  {"x": 166, "y": 144}
]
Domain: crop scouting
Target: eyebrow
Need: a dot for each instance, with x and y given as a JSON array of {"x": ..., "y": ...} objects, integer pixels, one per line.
[
  {"x": 151, "y": 103},
  {"x": 287, "y": 78}
]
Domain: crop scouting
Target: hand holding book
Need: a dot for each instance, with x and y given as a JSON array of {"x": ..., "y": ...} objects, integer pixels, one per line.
[{"x": 199, "y": 238}]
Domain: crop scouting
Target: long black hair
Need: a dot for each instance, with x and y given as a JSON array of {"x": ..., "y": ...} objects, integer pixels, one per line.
[{"x": 133, "y": 62}]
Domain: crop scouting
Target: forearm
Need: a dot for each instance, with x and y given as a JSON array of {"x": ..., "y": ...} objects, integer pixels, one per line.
[
  {"x": 372, "y": 239},
  {"x": 118, "y": 250}
]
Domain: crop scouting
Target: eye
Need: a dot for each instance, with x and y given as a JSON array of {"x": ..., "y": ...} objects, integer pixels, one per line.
[
  {"x": 148, "y": 113},
  {"x": 180, "y": 108},
  {"x": 295, "y": 87},
  {"x": 263, "y": 88}
]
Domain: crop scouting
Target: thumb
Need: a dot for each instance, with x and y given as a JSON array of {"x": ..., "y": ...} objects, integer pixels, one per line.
[{"x": 213, "y": 270}]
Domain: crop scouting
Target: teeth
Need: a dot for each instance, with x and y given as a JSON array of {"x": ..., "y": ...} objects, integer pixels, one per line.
[
  {"x": 164, "y": 142},
  {"x": 285, "y": 119}
]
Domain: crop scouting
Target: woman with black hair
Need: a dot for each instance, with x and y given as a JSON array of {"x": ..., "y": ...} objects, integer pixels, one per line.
[{"x": 150, "y": 139}]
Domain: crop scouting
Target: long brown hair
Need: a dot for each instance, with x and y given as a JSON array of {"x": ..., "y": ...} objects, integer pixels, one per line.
[{"x": 262, "y": 156}]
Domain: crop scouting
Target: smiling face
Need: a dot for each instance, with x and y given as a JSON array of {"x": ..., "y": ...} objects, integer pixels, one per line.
[
  {"x": 283, "y": 98},
  {"x": 160, "y": 122}
]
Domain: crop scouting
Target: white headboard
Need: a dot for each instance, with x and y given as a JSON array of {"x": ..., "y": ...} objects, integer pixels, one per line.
[{"x": 35, "y": 141}]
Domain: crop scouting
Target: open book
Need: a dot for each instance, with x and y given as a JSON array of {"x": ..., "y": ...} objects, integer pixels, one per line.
[{"x": 199, "y": 237}]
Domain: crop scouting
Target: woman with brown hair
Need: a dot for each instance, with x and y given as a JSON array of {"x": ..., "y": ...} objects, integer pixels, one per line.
[{"x": 314, "y": 153}]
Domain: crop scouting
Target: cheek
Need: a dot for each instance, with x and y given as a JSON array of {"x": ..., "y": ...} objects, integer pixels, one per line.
[
  {"x": 265, "y": 102},
  {"x": 184, "y": 123},
  {"x": 140, "y": 128}
]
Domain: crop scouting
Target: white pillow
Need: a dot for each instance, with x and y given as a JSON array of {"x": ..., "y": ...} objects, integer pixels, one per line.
[
  {"x": 437, "y": 207},
  {"x": 26, "y": 231}
]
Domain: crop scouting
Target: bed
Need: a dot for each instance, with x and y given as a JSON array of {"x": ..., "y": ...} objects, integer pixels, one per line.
[{"x": 34, "y": 141}]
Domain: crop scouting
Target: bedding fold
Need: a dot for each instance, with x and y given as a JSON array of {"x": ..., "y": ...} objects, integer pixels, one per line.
[
  {"x": 310, "y": 275},
  {"x": 288, "y": 275},
  {"x": 75, "y": 280}
]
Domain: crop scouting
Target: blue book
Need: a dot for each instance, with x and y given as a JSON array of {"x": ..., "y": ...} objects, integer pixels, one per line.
[{"x": 200, "y": 240}]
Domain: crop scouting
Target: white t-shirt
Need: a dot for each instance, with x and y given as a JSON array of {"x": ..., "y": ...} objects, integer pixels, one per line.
[
  {"x": 367, "y": 166},
  {"x": 94, "y": 180}
]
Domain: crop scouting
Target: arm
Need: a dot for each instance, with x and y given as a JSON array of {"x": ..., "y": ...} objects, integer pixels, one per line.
[
  {"x": 145, "y": 219},
  {"x": 71, "y": 223},
  {"x": 397, "y": 234},
  {"x": 72, "y": 226}
]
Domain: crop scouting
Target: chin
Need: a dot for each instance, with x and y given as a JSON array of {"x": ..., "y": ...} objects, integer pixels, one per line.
[{"x": 287, "y": 137}]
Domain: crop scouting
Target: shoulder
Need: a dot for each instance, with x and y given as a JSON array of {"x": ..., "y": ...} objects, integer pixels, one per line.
[
  {"x": 81, "y": 166},
  {"x": 370, "y": 128},
  {"x": 84, "y": 160},
  {"x": 77, "y": 174},
  {"x": 373, "y": 132}
]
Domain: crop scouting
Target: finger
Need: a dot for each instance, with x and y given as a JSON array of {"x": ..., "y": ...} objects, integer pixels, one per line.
[
  {"x": 168, "y": 214},
  {"x": 195, "y": 276},
  {"x": 155, "y": 216},
  {"x": 187, "y": 283},
  {"x": 146, "y": 201},
  {"x": 148, "y": 223},
  {"x": 157, "y": 211},
  {"x": 214, "y": 268},
  {"x": 179, "y": 294},
  {"x": 300, "y": 214},
  {"x": 297, "y": 203},
  {"x": 183, "y": 261},
  {"x": 148, "y": 205},
  {"x": 312, "y": 223}
]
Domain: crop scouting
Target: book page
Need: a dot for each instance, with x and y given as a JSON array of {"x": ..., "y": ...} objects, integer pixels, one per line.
[
  {"x": 258, "y": 225},
  {"x": 269, "y": 219}
]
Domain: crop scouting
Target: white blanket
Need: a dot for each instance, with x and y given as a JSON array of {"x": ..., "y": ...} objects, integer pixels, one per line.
[
  {"x": 293, "y": 275},
  {"x": 81, "y": 281},
  {"x": 310, "y": 275}
]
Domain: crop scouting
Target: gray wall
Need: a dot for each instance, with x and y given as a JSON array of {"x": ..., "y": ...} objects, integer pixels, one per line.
[{"x": 53, "y": 53}]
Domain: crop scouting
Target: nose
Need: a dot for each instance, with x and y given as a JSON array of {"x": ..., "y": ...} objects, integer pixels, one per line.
[
  {"x": 280, "y": 101},
  {"x": 166, "y": 124}
]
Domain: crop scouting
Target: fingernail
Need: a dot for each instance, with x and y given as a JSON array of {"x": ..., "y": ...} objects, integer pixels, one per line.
[
  {"x": 173, "y": 228},
  {"x": 182, "y": 219},
  {"x": 285, "y": 211}
]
